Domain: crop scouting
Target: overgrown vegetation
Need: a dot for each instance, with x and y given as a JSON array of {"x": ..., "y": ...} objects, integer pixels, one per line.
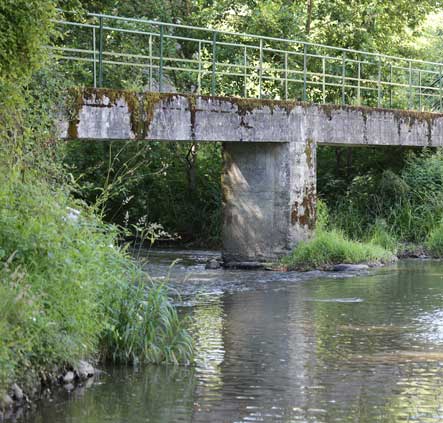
[
  {"x": 407, "y": 203},
  {"x": 329, "y": 247},
  {"x": 391, "y": 203},
  {"x": 68, "y": 291},
  {"x": 157, "y": 182}
]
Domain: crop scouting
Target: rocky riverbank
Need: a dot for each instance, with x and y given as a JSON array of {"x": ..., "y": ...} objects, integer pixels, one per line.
[{"x": 19, "y": 399}]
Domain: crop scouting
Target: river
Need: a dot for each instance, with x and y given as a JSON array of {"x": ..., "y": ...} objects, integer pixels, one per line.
[{"x": 284, "y": 347}]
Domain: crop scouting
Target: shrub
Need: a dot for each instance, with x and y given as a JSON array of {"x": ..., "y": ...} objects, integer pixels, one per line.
[
  {"x": 381, "y": 234},
  {"x": 63, "y": 285},
  {"x": 434, "y": 241},
  {"x": 410, "y": 202}
]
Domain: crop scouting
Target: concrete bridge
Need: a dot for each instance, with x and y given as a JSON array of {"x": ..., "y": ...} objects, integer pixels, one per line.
[{"x": 269, "y": 148}]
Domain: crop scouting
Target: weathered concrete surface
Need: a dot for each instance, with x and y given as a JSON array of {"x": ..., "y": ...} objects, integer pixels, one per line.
[
  {"x": 268, "y": 199},
  {"x": 269, "y": 177},
  {"x": 108, "y": 114}
]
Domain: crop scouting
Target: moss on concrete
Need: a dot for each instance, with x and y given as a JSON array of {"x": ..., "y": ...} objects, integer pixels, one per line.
[
  {"x": 77, "y": 97},
  {"x": 142, "y": 106}
]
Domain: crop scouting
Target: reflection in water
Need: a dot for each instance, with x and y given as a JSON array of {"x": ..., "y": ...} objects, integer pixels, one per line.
[
  {"x": 278, "y": 347},
  {"x": 207, "y": 332}
]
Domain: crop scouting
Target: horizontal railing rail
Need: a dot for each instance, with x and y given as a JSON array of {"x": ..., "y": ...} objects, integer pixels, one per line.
[{"x": 118, "y": 52}]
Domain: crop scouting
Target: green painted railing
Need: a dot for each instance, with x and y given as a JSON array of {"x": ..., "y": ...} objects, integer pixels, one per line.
[{"x": 118, "y": 52}]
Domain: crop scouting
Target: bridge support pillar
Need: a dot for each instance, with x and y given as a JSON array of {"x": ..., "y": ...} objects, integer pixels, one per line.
[{"x": 269, "y": 194}]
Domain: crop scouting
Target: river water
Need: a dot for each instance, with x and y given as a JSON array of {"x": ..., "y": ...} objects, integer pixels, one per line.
[{"x": 284, "y": 347}]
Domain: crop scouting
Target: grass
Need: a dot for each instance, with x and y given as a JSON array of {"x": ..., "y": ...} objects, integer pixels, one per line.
[
  {"x": 434, "y": 241},
  {"x": 330, "y": 247},
  {"x": 409, "y": 203},
  {"x": 145, "y": 326},
  {"x": 68, "y": 292}
]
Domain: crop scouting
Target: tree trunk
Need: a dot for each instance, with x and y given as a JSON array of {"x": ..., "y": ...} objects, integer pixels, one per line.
[
  {"x": 191, "y": 159},
  {"x": 309, "y": 17}
]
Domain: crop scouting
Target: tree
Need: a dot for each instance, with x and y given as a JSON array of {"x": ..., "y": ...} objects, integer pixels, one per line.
[{"x": 26, "y": 28}]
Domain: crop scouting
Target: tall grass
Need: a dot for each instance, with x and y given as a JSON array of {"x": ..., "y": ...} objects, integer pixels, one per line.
[
  {"x": 410, "y": 203},
  {"x": 145, "y": 326},
  {"x": 68, "y": 292},
  {"x": 330, "y": 247},
  {"x": 434, "y": 241}
]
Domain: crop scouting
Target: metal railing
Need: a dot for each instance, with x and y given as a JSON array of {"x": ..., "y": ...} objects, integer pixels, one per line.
[{"x": 117, "y": 52}]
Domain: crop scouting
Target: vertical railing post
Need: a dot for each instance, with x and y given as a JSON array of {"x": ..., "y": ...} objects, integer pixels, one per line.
[
  {"x": 390, "y": 85},
  {"x": 305, "y": 71},
  {"x": 419, "y": 90},
  {"x": 245, "y": 72},
  {"x": 410, "y": 86},
  {"x": 343, "y": 79},
  {"x": 323, "y": 65},
  {"x": 150, "y": 63},
  {"x": 100, "y": 52},
  {"x": 440, "y": 87},
  {"x": 260, "y": 69},
  {"x": 94, "y": 54},
  {"x": 214, "y": 61},
  {"x": 359, "y": 83},
  {"x": 199, "y": 76},
  {"x": 286, "y": 75},
  {"x": 379, "y": 82},
  {"x": 160, "y": 66}
]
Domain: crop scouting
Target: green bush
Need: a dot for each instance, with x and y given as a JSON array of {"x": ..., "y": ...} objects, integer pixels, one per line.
[
  {"x": 434, "y": 241},
  {"x": 64, "y": 287},
  {"x": 410, "y": 202},
  {"x": 153, "y": 182},
  {"x": 381, "y": 234},
  {"x": 330, "y": 247},
  {"x": 145, "y": 326}
]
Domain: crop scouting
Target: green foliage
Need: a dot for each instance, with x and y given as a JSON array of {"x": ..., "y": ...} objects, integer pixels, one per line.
[
  {"x": 63, "y": 279},
  {"x": 434, "y": 241},
  {"x": 410, "y": 202},
  {"x": 322, "y": 215},
  {"x": 26, "y": 28},
  {"x": 17, "y": 309},
  {"x": 145, "y": 326},
  {"x": 329, "y": 247},
  {"x": 367, "y": 25},
  {"x": 381, "y": 234},
  {"x": 65, "y": 285},
  {"x": 152, "y": 182}
]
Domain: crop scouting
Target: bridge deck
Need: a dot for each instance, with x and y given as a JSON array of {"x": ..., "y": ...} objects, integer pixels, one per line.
[{"x": 103, "y": 114}]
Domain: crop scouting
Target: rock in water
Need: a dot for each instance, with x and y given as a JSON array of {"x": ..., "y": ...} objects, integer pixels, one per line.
[
  {"x": 245, "y": 265},
  {"x": 85, "y": 370},
  {"x": 350, "y": 267},
  {"x": 68, "y": 377},
  {"x": 212, "y": 264},
  {"x": 5, "y": 402},
  {"x": 17, "y": 392}
]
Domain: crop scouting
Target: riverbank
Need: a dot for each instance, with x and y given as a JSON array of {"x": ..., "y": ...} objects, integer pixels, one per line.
[
  {"x": 69, "y": 294},
  {"x": 16, "y": 401}
]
